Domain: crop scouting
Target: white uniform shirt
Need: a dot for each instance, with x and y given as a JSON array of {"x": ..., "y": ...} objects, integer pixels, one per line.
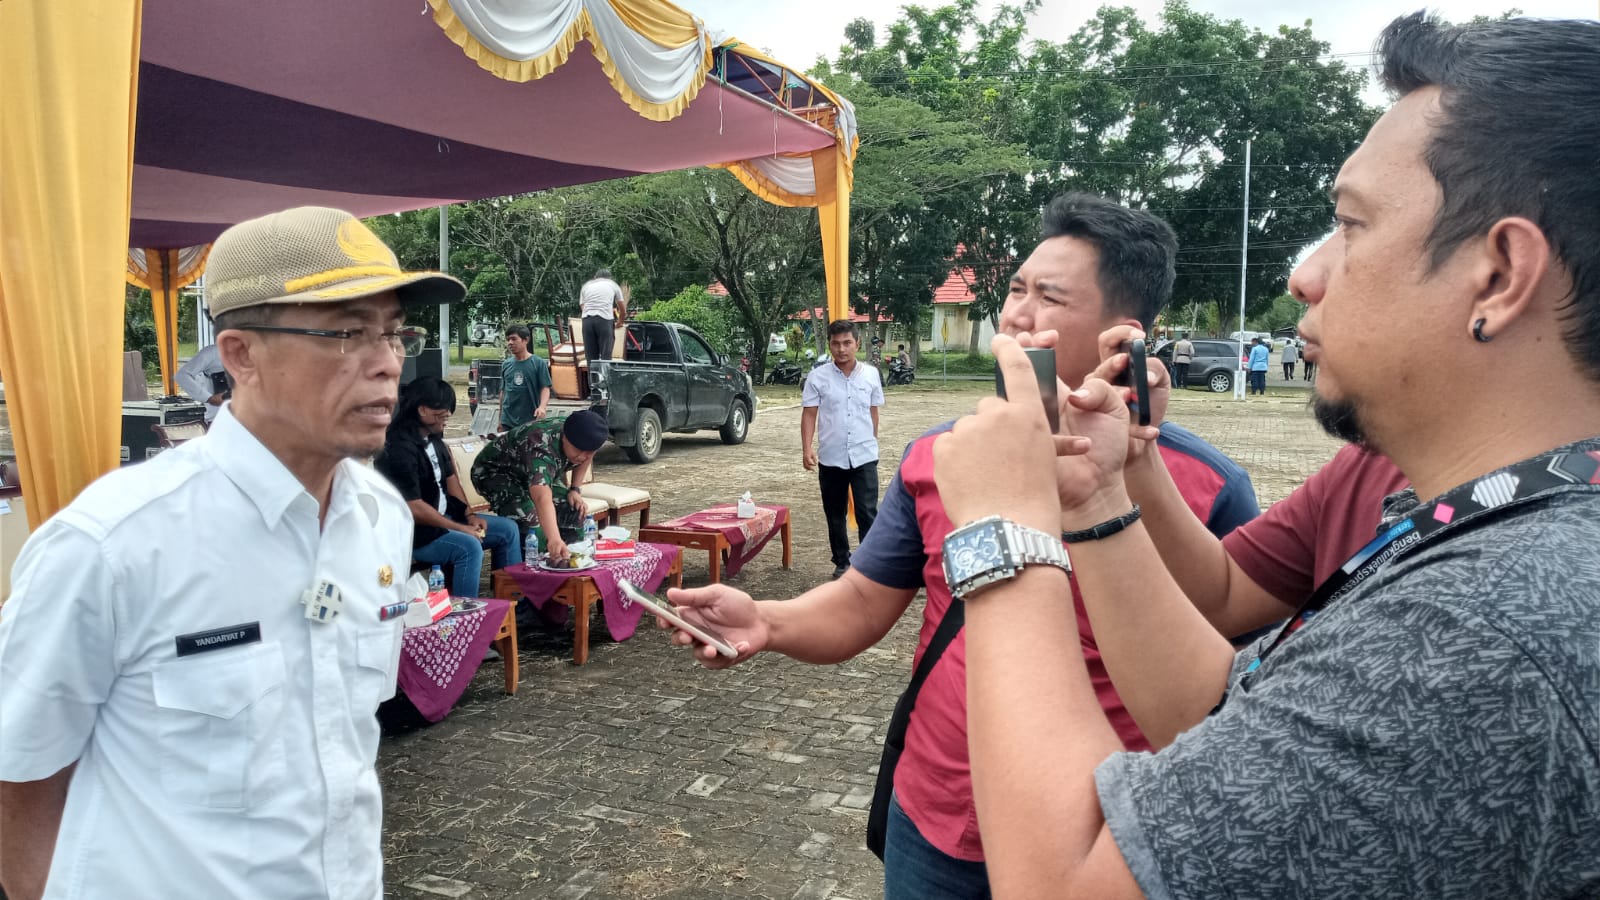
[
  {"x": 597, "y": 296},
  {"x": 194, "y": 377},
  {"x": 844, "y": 413},
  {"x": 245, "y": 770}
]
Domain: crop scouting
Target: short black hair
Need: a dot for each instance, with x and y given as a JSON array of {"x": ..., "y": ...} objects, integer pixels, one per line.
[
  {"x": 841, "y": 326},
  {"x": 1138, "y": 251},
  {"x": 1518, "y": 135},
  {"x": 520, "y": 331}
]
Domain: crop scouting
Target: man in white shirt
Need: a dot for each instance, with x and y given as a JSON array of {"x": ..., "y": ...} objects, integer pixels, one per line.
[
  {"x": 204, "y": 379},
  {"x": 845, "y": 397},
  {"x": 176, "y": 724},
  {"x": 599, "y": 299}
]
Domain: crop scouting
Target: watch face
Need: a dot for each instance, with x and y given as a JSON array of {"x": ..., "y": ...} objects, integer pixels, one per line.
[{"x": 975, "y": 550}]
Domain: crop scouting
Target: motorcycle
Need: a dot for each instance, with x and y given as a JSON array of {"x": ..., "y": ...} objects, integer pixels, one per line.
[
  {"x": 786, "y": 372},
  {"x": 900, "y": 373}
]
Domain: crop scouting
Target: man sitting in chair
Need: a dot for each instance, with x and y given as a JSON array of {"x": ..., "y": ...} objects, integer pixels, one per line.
[{"x": 417, "y": 462}]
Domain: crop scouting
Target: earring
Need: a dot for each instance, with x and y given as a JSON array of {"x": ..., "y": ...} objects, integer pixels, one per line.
[{"x": 1477, "y": 332}]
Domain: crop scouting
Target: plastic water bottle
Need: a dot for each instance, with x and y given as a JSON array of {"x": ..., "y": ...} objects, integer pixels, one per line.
[
  {"x": 436, "y": 580},
  {"x": 590, "y": 530},
  {"x": 530, "y": 546}
]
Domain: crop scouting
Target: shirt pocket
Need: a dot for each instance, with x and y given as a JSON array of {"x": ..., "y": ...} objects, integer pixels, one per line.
[
  {"x": 221, "y": 721},
  {"x": 377, "y": 666}
]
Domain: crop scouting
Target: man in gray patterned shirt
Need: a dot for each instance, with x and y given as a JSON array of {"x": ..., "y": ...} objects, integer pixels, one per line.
[{"x": 1434, "y": 730}]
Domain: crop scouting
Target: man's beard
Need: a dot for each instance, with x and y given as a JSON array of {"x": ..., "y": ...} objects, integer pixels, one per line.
[{"x": 1339, "y": 419}]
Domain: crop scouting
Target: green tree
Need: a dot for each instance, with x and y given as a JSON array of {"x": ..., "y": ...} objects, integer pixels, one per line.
[
  {"x": 768, "y": 257},
  {"x": 918, "y": 176},
  {"x": 697, "y": 308}
]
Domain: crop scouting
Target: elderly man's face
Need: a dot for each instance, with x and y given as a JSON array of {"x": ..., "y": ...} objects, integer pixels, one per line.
[
  {"x": 1058, "y": 288},
  {"x": 325, "y": 397},
  {"x": 1371, "y": 282}
]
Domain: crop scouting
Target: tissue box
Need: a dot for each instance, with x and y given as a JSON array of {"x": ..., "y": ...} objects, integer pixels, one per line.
[
  {"x": 609, "y": 549},
  {"x": 438, "y": 605},
  {"x": 747, "y": 509}
]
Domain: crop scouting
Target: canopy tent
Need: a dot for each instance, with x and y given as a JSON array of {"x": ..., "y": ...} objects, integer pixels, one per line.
[{"x": 369, "y": 105}]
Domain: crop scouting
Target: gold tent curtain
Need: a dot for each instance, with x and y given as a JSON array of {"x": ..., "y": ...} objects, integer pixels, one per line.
[
  {"x": 164, "y": 273},
  {"x": 68, "y": 81}
]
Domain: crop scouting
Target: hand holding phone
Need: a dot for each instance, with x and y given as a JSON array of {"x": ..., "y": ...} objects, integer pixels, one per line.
[
  {"x": 1137, "y": 376},
  {"x": 1043, "y": 360},
  {"x": 702, "y": 633}
]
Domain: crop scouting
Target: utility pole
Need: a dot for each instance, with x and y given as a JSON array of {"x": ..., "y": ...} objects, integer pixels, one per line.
[{"x": 1244, "y": 270}]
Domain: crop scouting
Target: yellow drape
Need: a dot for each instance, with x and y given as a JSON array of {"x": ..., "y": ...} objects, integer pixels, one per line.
[
  {"x": 164, "y": 274},
  {"x": 68, "y": 79},
  {"x": 834, "y": 175}
]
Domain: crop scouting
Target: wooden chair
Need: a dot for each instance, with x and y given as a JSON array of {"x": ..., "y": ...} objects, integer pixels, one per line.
[{"x": 622, "y": 501}]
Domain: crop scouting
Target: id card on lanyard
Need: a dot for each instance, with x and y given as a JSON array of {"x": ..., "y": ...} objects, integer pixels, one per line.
[{"x": 1455, "y": 508}]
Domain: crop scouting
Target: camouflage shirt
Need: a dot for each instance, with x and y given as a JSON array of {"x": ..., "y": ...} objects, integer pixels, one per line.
[{"x": 518, "y": 459}]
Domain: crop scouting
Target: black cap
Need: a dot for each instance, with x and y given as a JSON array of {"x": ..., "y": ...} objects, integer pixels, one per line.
[{"x": 586, "y": 430}]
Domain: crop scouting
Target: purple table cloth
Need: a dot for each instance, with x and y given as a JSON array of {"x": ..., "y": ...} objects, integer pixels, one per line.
[
  {"x": 647, "y": 568},
  {"x": 745, "y": 537},
  {"x": 437, "y": 661}
]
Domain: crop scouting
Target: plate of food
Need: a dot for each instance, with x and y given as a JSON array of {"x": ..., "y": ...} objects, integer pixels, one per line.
[
  {"x": 466, "y": 605},
  {"x": 571, "y": 563}
]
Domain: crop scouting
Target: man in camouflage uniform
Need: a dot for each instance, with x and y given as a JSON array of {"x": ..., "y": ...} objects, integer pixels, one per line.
[{"x": 531, "y": 474}]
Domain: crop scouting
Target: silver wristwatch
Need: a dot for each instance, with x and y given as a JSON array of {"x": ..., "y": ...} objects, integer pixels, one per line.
[{"x": 992, "y": 550}]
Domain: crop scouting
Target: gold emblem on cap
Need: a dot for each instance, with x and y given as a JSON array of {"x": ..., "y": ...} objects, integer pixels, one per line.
[
  {"x": 385, "y": 576},
  {"x": 362, "y": 246}
]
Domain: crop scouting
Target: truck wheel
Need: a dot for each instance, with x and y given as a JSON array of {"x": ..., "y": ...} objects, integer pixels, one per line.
[
  {"x": 646, "y": 437},
  {"x": 738, "y": 424}
]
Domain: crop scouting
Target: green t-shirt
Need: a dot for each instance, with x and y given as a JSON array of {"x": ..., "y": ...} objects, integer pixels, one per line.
[{"x": 522, "y": 382}]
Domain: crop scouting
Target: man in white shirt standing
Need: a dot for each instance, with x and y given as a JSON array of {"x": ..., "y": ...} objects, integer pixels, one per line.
[
  {"x": 204, "y": 379},
  {"x": 175, "y": 724},
  {"x": 599, "y": 299},
  {"x": 846, "y": 397}
]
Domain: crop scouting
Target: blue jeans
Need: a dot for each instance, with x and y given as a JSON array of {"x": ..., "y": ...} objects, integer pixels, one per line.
[
  {"x": 464, "y": 553},
  {"x": 914, "y": 869}
]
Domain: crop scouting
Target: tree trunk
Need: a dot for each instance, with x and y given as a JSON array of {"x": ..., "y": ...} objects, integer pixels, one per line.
[{"x": 976, "y": 334}]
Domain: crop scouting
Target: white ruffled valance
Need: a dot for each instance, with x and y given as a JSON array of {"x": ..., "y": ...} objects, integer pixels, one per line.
[{"x": 655, "y": 54}]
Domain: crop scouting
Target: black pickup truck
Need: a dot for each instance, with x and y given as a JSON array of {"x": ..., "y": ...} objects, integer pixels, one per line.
[{"x": 669, "y": 379}]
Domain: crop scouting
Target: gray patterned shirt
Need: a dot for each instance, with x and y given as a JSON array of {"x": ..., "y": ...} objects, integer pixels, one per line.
[{"x": 1436, "y": 733}]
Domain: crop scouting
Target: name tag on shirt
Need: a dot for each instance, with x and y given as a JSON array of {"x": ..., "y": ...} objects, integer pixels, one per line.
[{"x": 218, "y": 638}]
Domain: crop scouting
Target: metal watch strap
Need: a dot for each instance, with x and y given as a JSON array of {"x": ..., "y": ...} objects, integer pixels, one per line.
[{"x": 1034, "y": 547}]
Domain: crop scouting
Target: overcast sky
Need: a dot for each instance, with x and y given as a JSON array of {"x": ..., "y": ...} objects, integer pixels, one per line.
[{"x": 797, "y": 33}]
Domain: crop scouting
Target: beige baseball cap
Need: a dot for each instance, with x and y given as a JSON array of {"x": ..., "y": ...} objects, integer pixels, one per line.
[{"x": 312, "y": 254}]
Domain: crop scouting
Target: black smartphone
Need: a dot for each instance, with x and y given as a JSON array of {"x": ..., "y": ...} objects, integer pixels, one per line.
[
  {"x": 1043, "y": 360},
  {"x": 1136, "y": 376}
]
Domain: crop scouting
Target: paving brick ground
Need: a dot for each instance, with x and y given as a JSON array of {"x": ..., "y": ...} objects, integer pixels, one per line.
[{"x": 640, "y": 775}]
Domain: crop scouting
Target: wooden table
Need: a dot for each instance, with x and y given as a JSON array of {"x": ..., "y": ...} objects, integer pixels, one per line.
[
  {"x": 506, "y": 643},
  {"x": 713, "y": 542},
  {"x": 578, "y": 592}
]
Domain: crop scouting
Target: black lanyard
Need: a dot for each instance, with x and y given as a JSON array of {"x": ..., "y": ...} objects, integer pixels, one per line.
[{"x": 1492, "y": 493}]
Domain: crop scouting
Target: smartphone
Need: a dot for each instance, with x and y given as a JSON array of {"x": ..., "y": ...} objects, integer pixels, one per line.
[
  {"x": 701, "y": 633},
  {"x": 1136, "y": 376},
  {"x": 1043, "y": 360}
]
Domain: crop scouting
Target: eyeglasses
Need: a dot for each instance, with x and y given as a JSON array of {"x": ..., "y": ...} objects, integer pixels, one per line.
[{"x": 405, "y": 342}]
